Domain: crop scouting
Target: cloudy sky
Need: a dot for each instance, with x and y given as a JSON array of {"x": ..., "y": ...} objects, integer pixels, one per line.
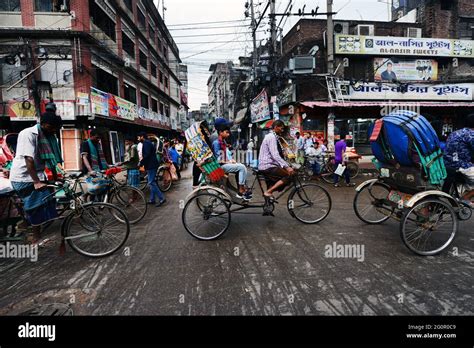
[{"x": 202, "y": 41}]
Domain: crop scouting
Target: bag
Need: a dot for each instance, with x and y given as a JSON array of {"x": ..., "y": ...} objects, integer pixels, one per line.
[
  {"x": 340, "y": 170},
  {"x": 174, "y": 174},
  {"x": 97, "y": 186}
]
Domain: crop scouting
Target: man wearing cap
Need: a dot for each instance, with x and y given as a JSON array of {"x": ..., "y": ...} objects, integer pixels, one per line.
[{"x": 151, "y": 164}]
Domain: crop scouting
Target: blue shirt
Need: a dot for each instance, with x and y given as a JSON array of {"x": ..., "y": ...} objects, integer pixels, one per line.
[
  {"x": 175, "y": 156},
  {"x": 460, "y": 149}
]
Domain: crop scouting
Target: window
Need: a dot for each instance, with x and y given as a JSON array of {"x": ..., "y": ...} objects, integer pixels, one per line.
[
  {"x": 130, "y": 93},
  {"x": 160, "y": 48},
  {"x": 153, "y": 69},
  {"x": 10, "y": 5},
  {"x": 161, "y": 77},
  {"x": 106, "y": 82},
  {"x": 128, "y": 45},
  {"x": 49, "y": 5},
  {"x": 166, "y": 82},
  {"x": 101, "y": 19},
  {"x": 162, "y": 109},
  {"x": 152, "y": 35},
  {"x": 154, "y": 105},
  {"x": 141, "y": 20},
  {"x": 466, "y": 31},
  {"x": 128, "y": 4},
  {"x": 446, "y": 5},
  {"x": 144, "y": 100},
  {"x": 165, "y": 52},
  {"x": 143, "y": 60},
  {"x": 167, "y": 111}
]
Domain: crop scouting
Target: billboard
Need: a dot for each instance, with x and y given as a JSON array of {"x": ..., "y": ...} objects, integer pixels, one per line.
[
  {"x": 405, "y": 70},
  {"x": 260, "y": 109},
  {"x": 403, "y": 46}
]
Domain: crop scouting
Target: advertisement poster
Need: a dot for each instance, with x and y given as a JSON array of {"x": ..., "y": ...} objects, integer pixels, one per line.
[
  {"x": 20, "y": 110},
  {"x": 374, "y": 91},
  {"x": 100, "y": 102},
  {"x": 405, "y": 70},
  {"x": 260, "y": 109},
  {"x": 126, "y": 109},
  {"x": 404, "y": 46}
]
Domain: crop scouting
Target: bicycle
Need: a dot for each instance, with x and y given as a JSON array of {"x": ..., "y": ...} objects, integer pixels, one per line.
[
  {"x": 163, "y": 179},
  {"x": 91, "y": 229},
  {"x": 328, "y": 168},
  {"x": 207, "y": 211}
]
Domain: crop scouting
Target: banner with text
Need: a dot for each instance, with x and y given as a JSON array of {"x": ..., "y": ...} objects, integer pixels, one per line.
[
  {"x": 374, "y": 91},
  {"x": 404, "y": 46},
  {"x": 260, "y": 109},
  {"x": 99, "y": 102}
]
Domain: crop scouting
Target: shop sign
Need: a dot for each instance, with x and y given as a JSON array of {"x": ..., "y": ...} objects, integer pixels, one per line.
[
  {"x": 286, "y": 96},
  {"x": 374, "y": 91},
  {"x": 100, "y": 102},
  {"x": 404, "y": 46},
  {"x": 82, "y": 99},
  {"x": 126, "y": 109},
  {"x": 259, "y": 108},
  {"x": 65, "y": 109},
  {"x": 22, "y": 110},
  {"x": 405, "y": 70}
]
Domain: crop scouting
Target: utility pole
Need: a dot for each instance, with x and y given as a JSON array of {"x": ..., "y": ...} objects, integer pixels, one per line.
[
  {"x": 274, "y": 48},
  {"x": 254, "y": 37},
  {"x": 330, "y": 32}
]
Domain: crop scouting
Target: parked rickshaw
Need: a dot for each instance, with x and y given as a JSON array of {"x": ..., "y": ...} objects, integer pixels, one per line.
[{"x": 408, "y": 189}]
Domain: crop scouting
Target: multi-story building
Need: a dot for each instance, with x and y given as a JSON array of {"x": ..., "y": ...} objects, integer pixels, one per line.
[
  {"x": 110, "y": 64},
  {"x": 379, "y": 66}
]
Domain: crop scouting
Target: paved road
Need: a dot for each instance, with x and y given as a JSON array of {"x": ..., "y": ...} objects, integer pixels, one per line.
[{"x": 262, "y": 266}]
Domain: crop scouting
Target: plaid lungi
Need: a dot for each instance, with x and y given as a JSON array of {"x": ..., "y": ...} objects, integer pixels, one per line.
[
  {"x": 39, "y": 205},
  {"x": 133, "y": 177}
]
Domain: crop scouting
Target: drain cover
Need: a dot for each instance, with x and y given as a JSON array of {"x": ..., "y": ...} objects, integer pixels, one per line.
[{"x": 52, "y": 309}]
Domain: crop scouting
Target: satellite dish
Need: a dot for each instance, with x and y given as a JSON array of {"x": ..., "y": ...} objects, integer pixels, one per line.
[{"x": 338, "y": 28}]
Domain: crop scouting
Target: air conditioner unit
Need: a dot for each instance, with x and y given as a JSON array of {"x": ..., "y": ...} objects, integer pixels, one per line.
[
  {"x": 341, "y": 28},
  {"x": 302, "y": 64},
  {"x": 365, "y": 30},
  {"x": 414, "y": 32}
]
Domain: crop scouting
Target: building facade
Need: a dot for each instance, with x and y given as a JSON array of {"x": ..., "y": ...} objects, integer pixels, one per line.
[
  {"x": 378, "y": 67},
  {"x": 109, "y": 64}
]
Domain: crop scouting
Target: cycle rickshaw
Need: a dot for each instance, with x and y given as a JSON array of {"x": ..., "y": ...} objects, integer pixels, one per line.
[
  {"x": 208, "y": 209},
  {"x": 408, "y": 189}
]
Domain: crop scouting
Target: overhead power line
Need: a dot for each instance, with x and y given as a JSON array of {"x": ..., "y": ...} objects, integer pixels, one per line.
[
  {"x": 201, "y": 28},
  {"x": 198, "y": 23}
]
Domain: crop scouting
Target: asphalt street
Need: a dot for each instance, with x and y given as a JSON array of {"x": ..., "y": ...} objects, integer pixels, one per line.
[{"x": 261, "y": 266}]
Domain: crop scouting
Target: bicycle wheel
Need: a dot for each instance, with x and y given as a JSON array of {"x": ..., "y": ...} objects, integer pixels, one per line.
[
  {"x": 368, "y": 205},
  {"x": 309, "y": 203},
  {"x": 163, "y": 179},
  {"x": 353, "y": 169},
  {"x": 93, "y": 230},
  {"x": 429, "y": 227},
  {"x": 206, "y": 216},
  {"x": 132, "y": 201},
  {"x": 327, "y": 173}
]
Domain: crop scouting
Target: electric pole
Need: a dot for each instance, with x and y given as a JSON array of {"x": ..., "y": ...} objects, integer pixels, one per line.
[
  {"x": 254, "y": 37},
  {"x": 274, "y": 48},
  {"x": 330, "y": 41}
]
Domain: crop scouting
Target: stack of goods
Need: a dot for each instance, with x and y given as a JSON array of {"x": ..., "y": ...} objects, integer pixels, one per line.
[
  {"x": 202, "y": 153},
  {"x": 408, "y": 149}
]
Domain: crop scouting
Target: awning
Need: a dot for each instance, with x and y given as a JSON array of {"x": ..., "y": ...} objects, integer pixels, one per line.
[{"x": 351, "y": 104}]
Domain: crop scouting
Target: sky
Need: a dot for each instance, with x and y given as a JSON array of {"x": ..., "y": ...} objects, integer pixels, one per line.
[{"x": 202, "y": 43}]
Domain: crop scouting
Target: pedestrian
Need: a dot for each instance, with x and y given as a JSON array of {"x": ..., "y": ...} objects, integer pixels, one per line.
[
  {"x": 300, "y": 148},
  {"x": 250, "y": 147},
  {"x": 176, "y": 159},
  {"x": 197, "y": 172},
  {"x": 93, "y": 159},
  {"x": 37, "y": 149},
  {"x": 131, "y": 161},
  {"x": 340, "y": 149},
  {"x": 151, "y": 165},
  {"x": 315, "y": 158},
  {"x": 308, "y": 141}
]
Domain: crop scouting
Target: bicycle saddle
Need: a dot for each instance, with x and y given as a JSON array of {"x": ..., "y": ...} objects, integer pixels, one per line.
[{"x": 75, "y": 175}]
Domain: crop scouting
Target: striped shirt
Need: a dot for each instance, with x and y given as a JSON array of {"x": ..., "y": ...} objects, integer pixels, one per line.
[{"x": 269, "y": 156}]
